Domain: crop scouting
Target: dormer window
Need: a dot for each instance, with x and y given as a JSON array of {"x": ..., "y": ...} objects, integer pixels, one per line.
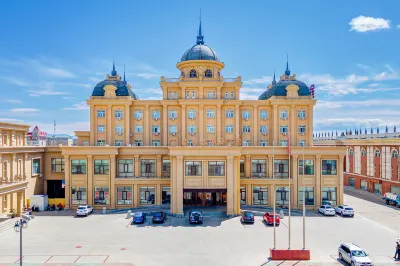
[
  {"x": 193, "y": 73},
  {"x": 208, "y": 73}
]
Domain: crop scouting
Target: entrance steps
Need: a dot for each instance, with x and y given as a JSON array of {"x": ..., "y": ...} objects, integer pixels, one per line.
[{"x": 8, "y": 224}]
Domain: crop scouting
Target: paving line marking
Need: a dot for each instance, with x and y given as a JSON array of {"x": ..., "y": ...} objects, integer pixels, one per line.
[
  {"x": 130, "y": 222},
  {"x": 77, "y": 259},
  {"x": 106, "y": 259},
  {"x": 48, "y": 259},
  {"x": 19, "y": 259}
]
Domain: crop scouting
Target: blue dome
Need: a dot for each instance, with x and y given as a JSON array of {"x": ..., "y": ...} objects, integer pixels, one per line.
[
  {"x": 279, "y": 89},
  {"x": 200, "y": 52},
  {"x": 122, "y": 88}
]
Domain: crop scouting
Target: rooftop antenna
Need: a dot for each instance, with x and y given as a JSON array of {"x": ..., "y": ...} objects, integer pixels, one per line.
[
  {"x": 124, "y": 73},
  {"x": 287, "y": 72},
  {"x": 200, "y": 37}
]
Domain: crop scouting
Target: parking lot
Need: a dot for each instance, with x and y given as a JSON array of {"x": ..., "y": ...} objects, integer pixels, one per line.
[{"x": 61, "y": 238}]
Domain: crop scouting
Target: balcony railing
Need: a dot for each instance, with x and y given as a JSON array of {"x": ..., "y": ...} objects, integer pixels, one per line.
[
  {"x": 147, "y": 175},
  {"x": 12, "y": 180},
  {"x": 258, "y": 175},
  {"x": 238, "y": 79}
]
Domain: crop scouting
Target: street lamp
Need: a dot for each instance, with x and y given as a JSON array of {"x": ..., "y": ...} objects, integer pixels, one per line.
[{"x": 22, "y": 224}]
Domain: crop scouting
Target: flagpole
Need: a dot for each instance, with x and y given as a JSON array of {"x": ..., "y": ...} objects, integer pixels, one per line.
[
  {"x": 290, "y": 191},
  {"x": 304, "y": 204},
  {"x": 274, "y": 192}
]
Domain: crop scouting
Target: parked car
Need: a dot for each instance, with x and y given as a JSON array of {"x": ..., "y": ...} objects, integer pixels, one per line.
[
  {"x": 247, "y": 217},
  {"x": 327, "y": 210},
  {"x": 84, "y": 210},
  {"x": 327, "y": 202},
  {"x": 270, "y": 218},
  {"x": 139, "y": 217},
  {"x": 195, "y": 217},
  {"x": 159, "y": 217},
  {"x": 345, "y": 210},
  {"x": 354, "y": 255}
]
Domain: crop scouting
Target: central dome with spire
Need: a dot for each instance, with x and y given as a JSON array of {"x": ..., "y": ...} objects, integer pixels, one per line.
[{"x": 200, "y": 51}]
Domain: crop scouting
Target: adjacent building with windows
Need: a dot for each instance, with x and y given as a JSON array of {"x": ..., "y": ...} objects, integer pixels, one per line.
[{"x": 200, "y": 145}]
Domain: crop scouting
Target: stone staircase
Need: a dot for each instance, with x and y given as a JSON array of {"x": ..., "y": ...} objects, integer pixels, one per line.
[{"x": 7, "y": 224}]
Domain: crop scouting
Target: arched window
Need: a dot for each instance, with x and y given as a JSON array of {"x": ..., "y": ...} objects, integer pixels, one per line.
[
  {"x": 363, "y": 152},
  {"x": 395, "y": 154},
  {"x": 193, "y": 73},
  {"x": 351, "y": 152},
  {"x": 377, "y": 153},
  {"x": 208, "y": 73}
]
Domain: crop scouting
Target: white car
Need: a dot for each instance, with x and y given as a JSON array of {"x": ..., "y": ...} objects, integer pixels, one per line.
[
  {"x": 354, "y": 255},
  {"x": 326, "y": 210},
  {"x": 345, "y": 210},
  {"x": 84, "y": 210}
]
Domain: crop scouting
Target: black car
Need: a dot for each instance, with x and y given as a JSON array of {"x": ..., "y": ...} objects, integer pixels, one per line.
[
  {"x": 195, "y": 217},
  {"x": 159, "y": 217},
  {"x": 247, "y": 217}
]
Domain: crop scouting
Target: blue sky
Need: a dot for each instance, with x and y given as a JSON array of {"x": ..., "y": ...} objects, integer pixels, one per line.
[{"x": 54, "y": 52}]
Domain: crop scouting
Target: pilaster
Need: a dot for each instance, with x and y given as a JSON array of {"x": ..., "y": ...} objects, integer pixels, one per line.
[
  {"x": 67, "y": 171},
  {"x": 201, "y": 124},
  {"x": 237, "y": 124},
  {"x": 293, "y": 129},
  {"x": 136, "y": 195},
  {"x": 217, "y": 141},
  {"x": 112, "y": 181},
  {"x": 14, "y": 166},
  {"x": 127, "y": 125},
  {"x": 295, "y": 180},
  {"x": 137, "y": 165},
  {"x": 92, "y": 126},
  {"x": 158, "y": 194},
  {"x": 146, "y": 130},
  {"x": 256, "y": 130},
  {"x": 158, "y": 166},
  {"x": 270, "y": 167},
  {"x": 165, "y": 125},
  {"x": 318, "y": 180},
  {"x": 249, "y": 194},
  {"x": 230, "y": 197},
  {"x": 183, "y": 123},
  {"x": 309, "y": 130},
  {"x": 109, "y": 128},
  {"x": 89, "y": 189},
  {"x": 13, "y": 138},
  {"x": 19, "y": 203},
  {"x": 247, "y": 166},
  {"x": 179, "y": 185},
  {"x": 275, "y": 125},
  {"x": 340, "y": 175}
]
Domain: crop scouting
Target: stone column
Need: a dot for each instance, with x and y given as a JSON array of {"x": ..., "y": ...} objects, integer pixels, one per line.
[
  {"x": 230, "y": 186},
  {"x": 109, "y": 128},
  {"x": 158, "y": 194},
  {"x": 340, "y": 185},
  {"x": 89, "y": 188},
  {"x": 158, "y": 166},
  {"x": 183, "y": 130},
  {"x": 67, "y": 171},
  {"x": 294, "y": 172},
  {"x": 249, "y": 194},
  {"x": 25, "y": 166},
  {"x": 237, "y": 123},
  {"x": 136, "y": 194},
  {"x": 92, "y": 126},
  {"x": 136, "y": 170},
  {"x": 309, "y": 129},
  {"x": 317, "y": 180},
  {"x": 236, "y": 194},
  {"x": 218, "y": 124},
  {"x": 270, "y": 167},
  {"x": 13, "y": 138},
  {"x": 112, "y": 181},
  {"x": 247, "y": 166},
  {"x": 146, "y": 130},
  {"x": 201, "y": 124},
  {"x": 256, "y": 130},
  {"x": 165, "y": 125},
  {"x": 275, "y": 125},
  {"x": 19, "y": 203},
  {"x": 173, "y": 184},
  {"x": 293, "y": 129},
  {"x": 127, "y": 125},
  {"x": 179, "y": 185},
  {"x": 10, "y": 201},
  {"x": 14, "y": 167}
]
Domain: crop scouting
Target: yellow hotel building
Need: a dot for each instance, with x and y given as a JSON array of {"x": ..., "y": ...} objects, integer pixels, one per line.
[{"x": 200, "y": 145}]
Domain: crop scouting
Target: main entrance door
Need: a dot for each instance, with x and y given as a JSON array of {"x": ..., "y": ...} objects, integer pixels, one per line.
[{"x": 204, "y": 197}]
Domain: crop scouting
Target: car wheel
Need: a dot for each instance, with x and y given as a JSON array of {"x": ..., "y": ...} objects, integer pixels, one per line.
[
  {"x": 352, "y": 263},
  {"x": 341, "y": 214},
  {"x": 340, "y": 256}
]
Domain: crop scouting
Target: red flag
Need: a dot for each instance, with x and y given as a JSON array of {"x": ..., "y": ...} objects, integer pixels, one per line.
[{"x": 288, "y": 143}]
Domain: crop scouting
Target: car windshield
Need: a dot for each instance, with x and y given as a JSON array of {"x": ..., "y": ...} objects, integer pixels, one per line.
[
  {"x": 157, "y": 214},
  {"x": 358, "y": 253},
  {"x": 348, "y": 209},
  {"x": 81, "y": 208},
  {"x": 248, "y": 214},
  {"x": 137, "y": 214}
]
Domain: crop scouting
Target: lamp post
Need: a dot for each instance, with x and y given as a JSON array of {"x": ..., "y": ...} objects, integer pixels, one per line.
[
  {"x": 304, "y": 204},
  {"x": 18, "y": 228}
]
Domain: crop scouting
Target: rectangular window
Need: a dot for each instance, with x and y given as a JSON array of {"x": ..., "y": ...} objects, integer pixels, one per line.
[
  {"x": 264, "y": 114},
  {"x": 172, "y": 129},
  {"x": 124, "y": 195},
  {"x": 242, "y": 195},
  {"x": 155, "y": 114},
  {"x": 232, "y": 95},
  {"x": 191, "y": 114},
  {"x": 175, "y": 95},
  {"x": 258, "y": 168},
  {"x": 301, "y": 114},
  {"x": 193, "y": 95},
  {"x": 166, "y": 195},
  {"x": 378, "y": 188},
  {"x": 166, "y": 168},
  {"x": 210, "y": 114},
  {"x": 283, "y": 129},
  {"x": 193, "y": 168},
  {"x": 301, "y": 143},
  {"x": 352, "y": 182},
  {"x": 309, "y": 196},
  {"x": 283, "y": 114},
  {"x": 263, "y": 143},
  {"x": 216, "y": 168},
  {"x": 329, "y": 167},
  {"x": 147, "y": 195},
  {"x": 78, "y": 196},
  {"x": 214, "y": 95},
  {"x": 148, "y": 168},
  {"x": 187, "y": 94},
  {"x": 101, "y": 113},
  {"x": 119, "y": 143},
  {"x": 101, "y": 128},
  {"x": 173, "y": 114},
  {"x": 263, "y": 129},
  {"x": 226, "y": 95},
  {"x": 101, "y": 143},
  {"x": 155, "y": 129},
  {"x": 35, "y": 166},
  {"x": 301, "y": 129},
  {"x": 246, "y": 114},
  {"x": 190, "y": 142},
  {"x": 192, "y": 129},
  {"x": 281, "y": 169},
  {"x": 119, "y": 129},
  {"x": 246, "y": 143},
  {"x": 210, "y": 129},
  {"x": 260, "y": 195},
  {"x": 125, "y": 168},
  {"x": 169, "y": 96},
  {"x": 118, "y": 114},
  {"x": 209, "y": 95},
  {"x": 229, "y": 128},
  {"x": 101, "y": 195},
  {"x": 283, "y": 143},
  {"x": 155, "y": 143},
  {"x": 138, "y": 129},
  {"x": 57, "y": 165},
  {"x": 364, "y": 185},
  {"x": 246, "y": 129},
  {"x": 229, "y": 114},
  {"x": 138, "y": 142},
  {"x": 309, "y": 167},
  {"x": 138, "y": 115},
  {"x": 241, "y": 167},
  {"x": 101, "y": 167},
  {"x": 329, "y": 194},
  {"x": 282, "y": 196}
]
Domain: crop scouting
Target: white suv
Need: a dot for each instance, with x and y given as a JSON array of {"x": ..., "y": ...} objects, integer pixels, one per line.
[
  {"x": 345, "y": 210},
  {"x": 84, "y": 210},
  {"x": 327, "y": 210},
  {"x": 354, "y": 255}
]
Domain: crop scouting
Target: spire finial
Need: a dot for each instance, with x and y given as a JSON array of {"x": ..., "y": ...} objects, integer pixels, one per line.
[
  {"x": 274, "y": 81},
  {"x": 113, "y": 72},
  {"x": 287, "y": 72},
  {"x": 124, "y": 73},
  {"x": 200, "y": 37}
]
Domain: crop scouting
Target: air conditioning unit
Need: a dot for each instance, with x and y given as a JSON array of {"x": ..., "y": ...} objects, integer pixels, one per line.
[
  {"x": 173, "y": 133},
  {"x": 156, "y": 118},
  {"x": 119, "y": 134},
  {"x": 264, "y": 133},
  {"x": 192, "y": 133},
  {"x": 246, "y": 118},
  {"x": 155, "y": 133},
  {"x": 172, "y": 118},
  {"x": 264, "y": 118},
  {"x": 302, "y": 133},
  {"x": 138, "y": 118},
  {"x": 284, "y": 133},
  {"x": 284, "y": 118},
  {"x": 119, "y": 118},
  {"x": 192, "y": 117},
  {"x": 302, "y": 118}
]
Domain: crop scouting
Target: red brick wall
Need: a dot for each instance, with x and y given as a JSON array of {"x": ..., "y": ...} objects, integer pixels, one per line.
[{"x": 395, "y": 169}]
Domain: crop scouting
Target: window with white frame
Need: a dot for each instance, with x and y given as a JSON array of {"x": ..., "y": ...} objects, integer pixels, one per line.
[
  {"x": 169, "y": 95},
  {"x": 119, "y": 143},
  {"x": 232, "y": 95},
  {"x": 283, "y": 129},
  {"x": 209, "y": 95},
  {"x": 172, "y": 129},
  {"x": 246, "y": 143},
  {"x": 101, "y": 128},
  {"x": 193, "y": 95},
  {"x": 155, "y": 129},
  {"x": 226, "y": 95},
  {"x": 119, "y": 129},
  {"x": 246, "y": 114},
  {"x": 101, "y": 113},
  {"x": 210, "y": 113},
  {"x": 246, "y": 129},
  {"x": 263, "y": 129},
  {"x": 138, "y": 129},
  {"x": 210, "y": 129},
  {"x": 101, "y": 142},
  {"x": 138, "y": 142},
  {"x": 301, "y": 129},
  {"x": 301, "y": 143},
  {"x": 216, "y": 168},
  {"x": 264, "y": 114},
  {"x": 283, "y": 143},
  {"x": 187, "y": 94},
  {"x": 190, "y": 142},
  {"x": 173, "y": 114},
  {"x": 301, "y": 114},
  {"x": 191, "y": 114},
  {"x": 155, "y": 143},
  {"x": 263, "y": 143},
  {"x": 138, "y": 115},
  {"x": 214, "y": 95},
  {"x": 175, "y": 95},
  {"x": 155, "y": 114},
  {"x": 283, "y": 114},
  {"x": 229, "y": 128},
  {"x": 191, "y": 129},
  {"x": 118, "y": 114},
  {"x": 229, "y": 114}
]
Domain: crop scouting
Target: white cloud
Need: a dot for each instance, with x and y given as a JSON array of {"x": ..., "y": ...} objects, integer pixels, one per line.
[
  {"x": 16, "y": 81},
  {"x": 57, "y": 72},
  {"x": 246, "y": 96},
  {"x": 263, "y": 80},
  {"x": 78, "y": 107},
  {"x": 398, "y": 26},
  {"x": 13, "y": 101},
  {"x": 364, "y": 24},
  {"x": 11, "y": 120},
  {"x": 253, "y": 90},
  {"x": 24, "y": 110},
  {"x": 45, "y": 92},
  {"x": 323, "y": 104},
  {"x": 68, "y": 98},
  {"x": 146, "y": 75},
  {"x": 67, "y": 128},
  {"x": 94, "y": 79}
]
